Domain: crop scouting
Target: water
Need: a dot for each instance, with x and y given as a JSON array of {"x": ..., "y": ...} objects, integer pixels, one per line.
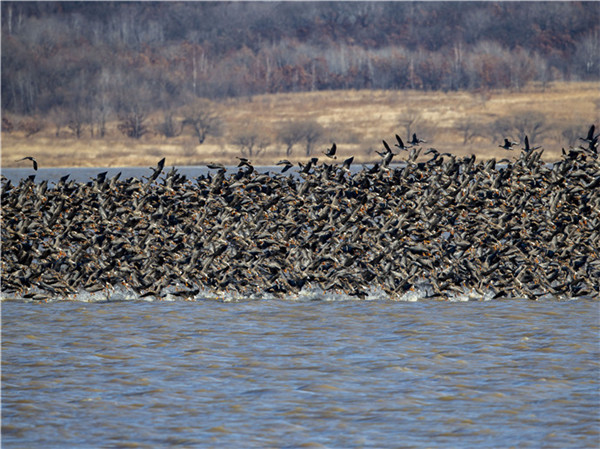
[
  {"x": 83, "y": 174},
  {"x": 282, "y": 373}
]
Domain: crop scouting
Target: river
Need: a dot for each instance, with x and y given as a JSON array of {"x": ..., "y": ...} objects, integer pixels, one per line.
[{"x": 292, "y": 373}]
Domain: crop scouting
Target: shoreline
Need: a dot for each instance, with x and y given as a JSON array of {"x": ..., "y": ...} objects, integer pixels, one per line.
[{"x": 355, "y": 120}]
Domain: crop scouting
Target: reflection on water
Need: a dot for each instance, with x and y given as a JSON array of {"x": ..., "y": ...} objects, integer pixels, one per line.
[{"x": 300, "y": 374}]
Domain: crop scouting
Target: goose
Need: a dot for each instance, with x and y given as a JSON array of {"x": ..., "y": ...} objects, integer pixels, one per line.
[
  {"x": 527, "y": 147},
  {"x": 416, "y": 141},
  {"x": 590, "y": 135},
  {"x": 400, "y": 144},
  {"x": 287, "y": 165},
  {"x": 32, "y": 159},
  {"x": 508, "y": 145},
  {"x": 331, "y": 151}
]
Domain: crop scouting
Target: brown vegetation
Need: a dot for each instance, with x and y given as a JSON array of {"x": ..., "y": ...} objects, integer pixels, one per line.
[{"x": 458, "y": 122}]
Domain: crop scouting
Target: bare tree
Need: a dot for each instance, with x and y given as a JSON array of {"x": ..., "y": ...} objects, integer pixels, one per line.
[
  {"x": 100, "y": 113},
  {"x": 133, "y": 123},
  {"x": 313, "y": 132},
  {"x": 31, "y": 126},
  {"x": 204, "y": 120},
  {"x": 521, "y": 124},
  {"x": 59, "y": 117},
  {"x": 251, "y": 142},
  {"x": 570, "y": 134},
  {"x": 7, "y": 125},
  {"x": 529, "y": 123},
  {"x": 409, "y": 120},
  {"x": 76, "y": 120},
  {"x": 290, "y": 133},
  {"x": 168, "y": 127},
  {"x": 501, "y": 128},
  {"x": 469, "y": 129}
]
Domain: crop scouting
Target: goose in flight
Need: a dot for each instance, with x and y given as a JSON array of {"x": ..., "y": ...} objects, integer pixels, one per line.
[
  {"x": 590, "y": 136},
  {"x": 387, "y": 151},
  {"x": 527, "y": 147},
  {"x": 216, "y": 166},
  {"x": 400, "y": 144},
  {"x": 416, "y": 141},
  {"x": 347, "y": 163},
  {"x": 331, "y": 151},
  {"x": 287, "y": 165},
  {"x": 32, "y": 159},
  {"x": 244, "y": 162},
  {"x": 508, "y": 145}
]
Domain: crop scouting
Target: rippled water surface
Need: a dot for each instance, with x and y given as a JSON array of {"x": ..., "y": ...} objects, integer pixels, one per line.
[{"x": 341, "y": 374}]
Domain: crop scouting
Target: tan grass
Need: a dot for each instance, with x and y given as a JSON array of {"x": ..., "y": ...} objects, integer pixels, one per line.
[{"x": 356, "y": 120}]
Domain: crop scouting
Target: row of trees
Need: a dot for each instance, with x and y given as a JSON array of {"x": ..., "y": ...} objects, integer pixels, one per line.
[
  {"x": 86, "y": 61},
  {"x": 302, "y": 137}
]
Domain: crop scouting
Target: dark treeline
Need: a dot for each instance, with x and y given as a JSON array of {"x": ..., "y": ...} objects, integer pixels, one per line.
[{"x": 91, "y": 60}]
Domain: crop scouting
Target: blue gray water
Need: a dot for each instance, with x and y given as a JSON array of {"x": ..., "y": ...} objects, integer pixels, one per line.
[
  {"x": 83, "y": 174},
  {"x": 282, "y": 373}
]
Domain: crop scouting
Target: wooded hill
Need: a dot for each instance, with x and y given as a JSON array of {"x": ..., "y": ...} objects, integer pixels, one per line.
[{"x": 94, "y": 60}]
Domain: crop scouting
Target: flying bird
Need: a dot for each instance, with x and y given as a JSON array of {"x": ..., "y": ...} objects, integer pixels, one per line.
[
  {"x": 416, "y": 141},
  {"x": 590, "y": 136},
  {"x": 508, "y": 145},
  {"x": 244, "y": 162},
  {"x": 347, "y": 163},
  {"x": 331, "y": 151},
  {"x": 400, "y": 144},
  {"x": 527, "y": 147},
  {"x": 216, "y": 166},
  {"x": 287, "y": 165},
  {"x": 32, "y": 159},
  {"x": 387, "y": 151},
  {"x": 158, "y": 170}
]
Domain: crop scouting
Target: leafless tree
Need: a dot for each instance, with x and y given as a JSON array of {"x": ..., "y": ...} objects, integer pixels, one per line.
[
  {"x": 76, "y": 120},
  {"x": 521, "y": 124},
  {"x": 7, "y": 125},
  {"x": 169, "y": 127},
  {"x": 570, "y": 134},
  {"x": 529, "y": 123},
  {"x": 133, "y": 123},
  {"x": 290, "y": 133},
  {"x": 409, "y": 120},
  {"x": 313, "y": 132},
  {"x": 469, "y": 129},
  {"x": 251, "y": 142},
  {"x": 31, "y": 126},
  {"x": 202, "y": 116},
  {"x": 59, "y": 117},
  {"x": 501, "y": 128}
]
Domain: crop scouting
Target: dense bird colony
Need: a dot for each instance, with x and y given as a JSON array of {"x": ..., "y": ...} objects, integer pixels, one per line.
[{"x": 514, "y": 228}]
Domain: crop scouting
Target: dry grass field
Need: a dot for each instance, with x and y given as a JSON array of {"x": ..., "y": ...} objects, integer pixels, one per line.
[{"x": 356, "y": 120}]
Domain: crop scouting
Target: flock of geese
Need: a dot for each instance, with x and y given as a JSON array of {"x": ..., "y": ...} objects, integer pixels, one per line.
[{"x": 435, "y": 222}]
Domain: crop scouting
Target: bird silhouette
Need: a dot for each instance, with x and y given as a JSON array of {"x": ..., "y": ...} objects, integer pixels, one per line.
[
  {"x": 387, "y": 151},
  {"x": 244, "y": 162},
  {"x": 347, "y": 163},
  {"x": 400, "y": 144},
  {"x": 32, "y": 159},
  {"x": 331, "y": 151},
  {"x": 216, "y": 166},
  {"x": 287, "y": 165},
  {"x": 508, "y": 145},
  {"x": 416, "y": 141},
  {"x": 590, "y": 136},
  {"x": 527, "y": 147}
]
